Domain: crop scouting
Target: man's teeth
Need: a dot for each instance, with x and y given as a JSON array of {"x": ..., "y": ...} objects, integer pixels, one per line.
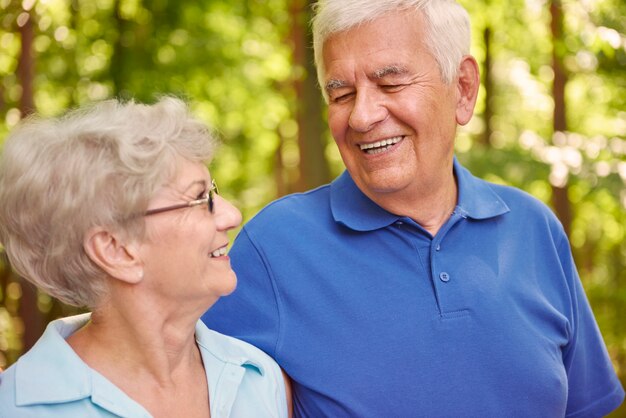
[
  {"x": 219, "y": 252},
  {"x": 380, "y": 146}
]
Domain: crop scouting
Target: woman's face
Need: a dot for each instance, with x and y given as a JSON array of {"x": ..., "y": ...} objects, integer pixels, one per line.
[{"x": 184, "y": 251}]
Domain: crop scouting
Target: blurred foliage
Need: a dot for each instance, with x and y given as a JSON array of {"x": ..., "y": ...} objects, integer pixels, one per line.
[{"x": 234, "y": 62}]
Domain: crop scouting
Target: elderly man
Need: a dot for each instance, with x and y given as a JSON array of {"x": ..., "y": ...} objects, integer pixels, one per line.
[{"x": 408, "y": 287}]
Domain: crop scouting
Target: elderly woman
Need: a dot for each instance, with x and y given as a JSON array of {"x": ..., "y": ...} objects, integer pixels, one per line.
[{"x": 112, "y": 208}]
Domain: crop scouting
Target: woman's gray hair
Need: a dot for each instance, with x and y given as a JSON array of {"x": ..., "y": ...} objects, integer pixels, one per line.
[
  {"x": 95, "y": 166},
  {"x": 448, "y": 33}
]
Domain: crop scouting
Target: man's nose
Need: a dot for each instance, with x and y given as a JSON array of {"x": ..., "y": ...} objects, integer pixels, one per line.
[{"x": 368, "y": 110}]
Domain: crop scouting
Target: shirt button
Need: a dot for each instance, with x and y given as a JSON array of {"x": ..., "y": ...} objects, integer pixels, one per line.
[
  {"x": 445, "y": 277},
  {"x": 438, "y": 247}
]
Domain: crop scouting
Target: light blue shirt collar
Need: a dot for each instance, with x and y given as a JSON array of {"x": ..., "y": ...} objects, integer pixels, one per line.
[{"x": 51, "y": 372}]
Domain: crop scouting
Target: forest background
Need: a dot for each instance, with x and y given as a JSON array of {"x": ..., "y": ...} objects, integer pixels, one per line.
[{"x": 550, "y": 119}]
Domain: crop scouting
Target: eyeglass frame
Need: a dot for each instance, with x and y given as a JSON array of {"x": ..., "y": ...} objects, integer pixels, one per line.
[{"x": 209, "y": 200}]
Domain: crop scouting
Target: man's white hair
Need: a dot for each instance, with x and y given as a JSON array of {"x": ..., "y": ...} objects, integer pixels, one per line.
[{"x": 447, "y": 28}]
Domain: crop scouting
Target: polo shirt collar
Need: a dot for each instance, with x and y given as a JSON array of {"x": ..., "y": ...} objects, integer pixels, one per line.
[
  {"x": 477, "y": 198},
  {"x": 352, "y": 208},
  {"x": 51, "y": 372},
  {"x": 38, "y": 379},
  {"x": 228, "y": 360},
  {"x": 227, "y": 349}
]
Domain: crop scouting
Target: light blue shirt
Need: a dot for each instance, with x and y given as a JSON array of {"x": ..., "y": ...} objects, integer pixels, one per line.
[{"x": 52, "y": 381}]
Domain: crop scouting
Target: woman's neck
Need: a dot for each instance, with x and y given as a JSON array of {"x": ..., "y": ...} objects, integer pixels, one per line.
[{"x": 134, "y": 339}]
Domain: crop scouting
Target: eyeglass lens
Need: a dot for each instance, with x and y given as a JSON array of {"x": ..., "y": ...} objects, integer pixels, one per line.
[{"x": 212, "y": 192}]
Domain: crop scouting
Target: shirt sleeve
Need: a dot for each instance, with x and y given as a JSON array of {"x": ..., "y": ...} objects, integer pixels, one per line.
[
  {"x": 250, "y": 313},
  {"x": 593, "y": 387}
]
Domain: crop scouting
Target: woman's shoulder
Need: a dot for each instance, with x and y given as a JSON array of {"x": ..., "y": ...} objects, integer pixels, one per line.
[
  {"x": 243, "y": 369},
  {"x": 7, "y": 386}
]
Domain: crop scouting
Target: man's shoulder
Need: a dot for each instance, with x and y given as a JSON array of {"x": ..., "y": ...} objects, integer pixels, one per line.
[
  {"x": 521, "y": 199},
  {"x": 304, "y": 200},
  {"x": 531, "y": 209},
  {"x": 292, "y": 207}
]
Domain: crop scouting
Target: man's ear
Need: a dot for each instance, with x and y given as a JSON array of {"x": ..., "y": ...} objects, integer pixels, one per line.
[
  {"x": 468, "y": 82},
  {"x": 113, "y": 254}
]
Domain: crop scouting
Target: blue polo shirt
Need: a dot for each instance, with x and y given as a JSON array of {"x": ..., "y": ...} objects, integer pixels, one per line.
[
  {"x": 371, "y": 316},
  {"x": 51, "y": 381}
]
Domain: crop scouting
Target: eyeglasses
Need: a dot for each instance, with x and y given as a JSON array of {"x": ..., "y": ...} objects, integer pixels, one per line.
[{"x": 209, "y": 200}]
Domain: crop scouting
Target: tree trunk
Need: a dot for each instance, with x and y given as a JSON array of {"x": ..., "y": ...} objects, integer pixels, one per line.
[
  {"x": 282, "y": 187},
  {"x": 28, "y": 311},
  {"x": 313, "y": 166},
  {"x": 488, "y": 83},
  {"x": 560, "y": 198},
  {"x": 26, "y": 63},
  {"x": 116, "y": 68}
]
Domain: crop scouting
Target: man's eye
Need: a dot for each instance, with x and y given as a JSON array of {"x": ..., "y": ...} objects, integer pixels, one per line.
[
  {"x": 391, "y": 88},
  {"x": 342, "y": 98},
  {"x": 202, "y": 195}
]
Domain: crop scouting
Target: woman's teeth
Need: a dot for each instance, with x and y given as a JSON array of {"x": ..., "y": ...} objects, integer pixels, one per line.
[{"x": 219, "y": 252}]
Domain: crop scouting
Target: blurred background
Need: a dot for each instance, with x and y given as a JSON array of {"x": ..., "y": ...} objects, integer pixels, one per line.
[{"x": 551, "y": 116}]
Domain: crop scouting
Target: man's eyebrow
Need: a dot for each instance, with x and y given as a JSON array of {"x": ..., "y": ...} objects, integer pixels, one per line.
[
  {"x": 389, "y": 70},
  {"x": 393, "y": 69},
  {"x": 334, "y": 84}
]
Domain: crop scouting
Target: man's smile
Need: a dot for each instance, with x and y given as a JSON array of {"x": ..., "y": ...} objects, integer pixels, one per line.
[{"x": 380, "y": 146}]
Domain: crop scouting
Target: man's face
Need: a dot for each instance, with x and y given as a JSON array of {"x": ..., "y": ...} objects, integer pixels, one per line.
[{"x": 391, "y": 115}]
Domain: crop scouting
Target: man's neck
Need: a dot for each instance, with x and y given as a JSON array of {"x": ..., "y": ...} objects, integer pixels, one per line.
[{"x": 430, "y": 207}]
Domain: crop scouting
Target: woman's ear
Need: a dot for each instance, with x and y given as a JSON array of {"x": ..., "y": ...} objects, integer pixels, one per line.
[
  {"x": 113, "y": 254},
  {"x": 468, "y": 82}
]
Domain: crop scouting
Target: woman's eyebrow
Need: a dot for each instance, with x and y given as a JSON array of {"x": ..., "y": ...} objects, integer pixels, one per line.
[{"x": 195, "y": 183}]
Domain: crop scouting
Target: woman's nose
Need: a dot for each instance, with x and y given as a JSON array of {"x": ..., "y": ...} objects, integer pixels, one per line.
[{"x": 227, "y": 216}]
